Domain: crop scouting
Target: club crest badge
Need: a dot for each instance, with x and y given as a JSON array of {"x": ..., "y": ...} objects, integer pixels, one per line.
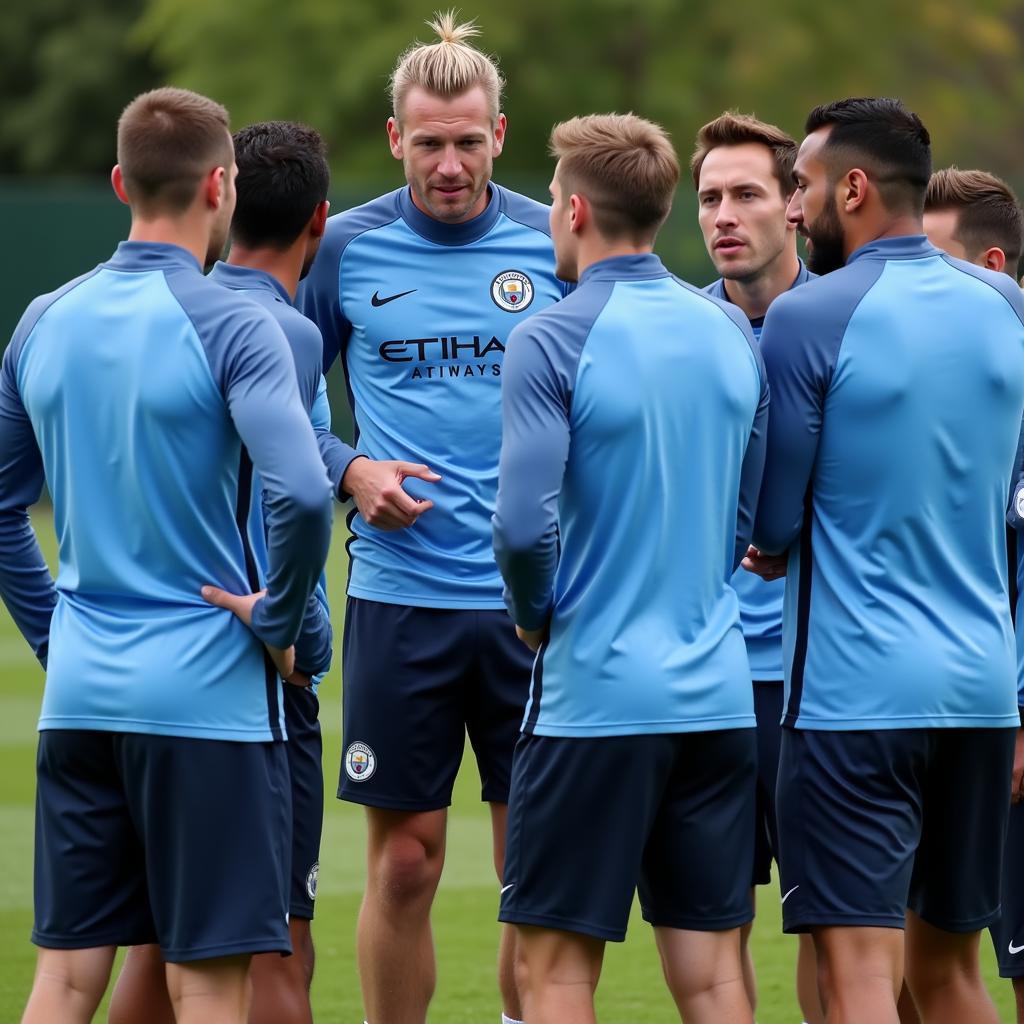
[
  {"x": 360, "y": 762},
  {"x": 512, "y": 291},
  {"x": 311, "y": 880}
]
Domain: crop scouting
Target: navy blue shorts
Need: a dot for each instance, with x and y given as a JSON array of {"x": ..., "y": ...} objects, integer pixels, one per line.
[
  {"x": 590, "y": 821},
  {"x": 768, "y": 701},
  {"x": 305, "y": 767},
  {"x": 874, "y": 823},
  {"x": 158, "y": 839},
  {"x": 416, "y": 680},
  {"x": 1008, "y": 930}
]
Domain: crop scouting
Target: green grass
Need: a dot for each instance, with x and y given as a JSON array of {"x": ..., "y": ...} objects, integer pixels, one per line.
[{"x": 464, "y": 916}]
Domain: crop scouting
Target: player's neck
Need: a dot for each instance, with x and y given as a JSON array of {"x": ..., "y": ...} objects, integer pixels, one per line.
[
  {"x": 755, "y": 295},
  {"x": 193, "y": 236},
  {"x": 285, "y": 265},
  {"x": 884, "y": 226},
  {"x": 594, "y": 250}
]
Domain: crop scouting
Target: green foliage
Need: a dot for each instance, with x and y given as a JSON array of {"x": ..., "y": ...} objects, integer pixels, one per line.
[
  {"x": 66, "y": 71},
  {"x": 956, "y": 61}
]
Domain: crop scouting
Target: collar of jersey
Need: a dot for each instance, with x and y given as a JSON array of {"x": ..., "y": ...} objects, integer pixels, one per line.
[
  {"x": 152, "y": 256},
  {"x": 635, "y": 267},
  {"x": 248, "y": 279},
  {"x": 901, "y": 247},
  {"x": 465, "y": 233}
]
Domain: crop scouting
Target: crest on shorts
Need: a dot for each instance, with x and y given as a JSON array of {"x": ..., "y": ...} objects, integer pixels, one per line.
[
  {"x": 311, "y": 879},
  {"x": 512, "y": 291},
  {"x": 1019, "y": 502},
  {"x": 360, "y": 762}
]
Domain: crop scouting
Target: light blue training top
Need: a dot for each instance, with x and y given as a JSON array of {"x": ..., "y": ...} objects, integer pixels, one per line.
[
  {"x": 146, "y": 394},
  {"x": 634, "y": 417}
]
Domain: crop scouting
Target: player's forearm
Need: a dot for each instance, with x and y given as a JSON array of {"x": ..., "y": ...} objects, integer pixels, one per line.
[
  {"x": 751, "y": 475},
  {"x": 337, "y": 457},
  {"x": 527, "y": 560},
  {"x": 314, "y": 646},
  {"x": 26, "y": 585}
]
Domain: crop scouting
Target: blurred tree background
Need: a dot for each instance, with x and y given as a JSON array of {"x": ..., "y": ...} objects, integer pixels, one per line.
[{"x": 68, "y": 68}]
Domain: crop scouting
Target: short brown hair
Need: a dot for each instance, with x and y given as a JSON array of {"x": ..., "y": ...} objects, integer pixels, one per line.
[
  {"x": 624, "y": 165},
  {"x": 732, "y": 129},
  {"x": 988, "y": 212},
  {"x": 167, "y": 140}
]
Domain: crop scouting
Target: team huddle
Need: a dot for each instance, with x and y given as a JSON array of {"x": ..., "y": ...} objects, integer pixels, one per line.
[{"x": 712, "y": 578}]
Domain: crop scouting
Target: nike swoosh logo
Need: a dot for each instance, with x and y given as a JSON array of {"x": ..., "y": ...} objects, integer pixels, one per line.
[
  {"x": 794, "y": 889},
  {"x": 510, "y": 884},
  {"x": 378, "y": 301},
  {"x": 1014, "y": 950}
]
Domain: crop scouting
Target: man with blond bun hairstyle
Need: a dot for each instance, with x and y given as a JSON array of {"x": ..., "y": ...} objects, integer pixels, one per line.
[
  {"x": 417, "y": 292},
  {"x": 742, "y": 171},
  {"x": 147, "y": 398},
  {"x": 634, "y": 416}
]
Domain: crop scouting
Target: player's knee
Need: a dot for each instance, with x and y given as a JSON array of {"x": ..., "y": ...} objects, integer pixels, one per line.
[
  {"x": 75, "y": 978},
  {"x": 407, "y": 868}
]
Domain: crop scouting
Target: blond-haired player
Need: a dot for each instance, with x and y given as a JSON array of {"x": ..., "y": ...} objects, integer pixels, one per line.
[{"x": 416, "y": 293}]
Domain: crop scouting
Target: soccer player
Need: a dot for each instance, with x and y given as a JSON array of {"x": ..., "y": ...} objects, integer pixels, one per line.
[
  {"x": 633, "y": 440},
  {"x": 743, "y": 173},
  {"x": 897, "y": 393},
  {"x": 975, "y": 216},
  {"x": 147, "y": 395},
  {"x": 416, "y": 293},
  {"x": 278, "y": 221}
]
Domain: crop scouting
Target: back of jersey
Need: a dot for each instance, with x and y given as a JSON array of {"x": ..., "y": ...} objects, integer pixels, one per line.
[
  {"x": 150, "y": 487},
  {"x": 659, "y": 386},
  {"x": 909, "y": 368}
]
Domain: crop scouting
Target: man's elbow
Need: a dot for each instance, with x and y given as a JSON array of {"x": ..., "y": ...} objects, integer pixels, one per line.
[{"x": 774, "y": 538}]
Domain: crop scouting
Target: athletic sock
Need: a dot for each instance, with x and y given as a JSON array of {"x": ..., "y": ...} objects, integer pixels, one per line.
[{"x": 506, "y": 1020}]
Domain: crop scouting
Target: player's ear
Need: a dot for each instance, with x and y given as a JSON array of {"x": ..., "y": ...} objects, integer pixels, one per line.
[
  {"x": 117, "y": 181},
  {"x": 994, "y": 259},
  {"x": 214, "y": 188},
  {"x": 499, "y": 135},
  {"x": 579, "y": 213},
  {"x": 318, "y": 222},
  {"x": 395, "y": 138},
  {"x": 854, "y": 189}
]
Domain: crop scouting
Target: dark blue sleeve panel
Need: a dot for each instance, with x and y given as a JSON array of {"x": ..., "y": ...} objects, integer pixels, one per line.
[
  {"x": 538, "y": 378},
  {"x": 26, "y": 586},
  {"x": 314, "y": 647},
  {"x": 1008, "y": 288},
  {"x": 253, "y": 367},
  {"x": 319, "y": 298},
  {"x": 800, "y": 342},
  {"x": 752, "y": 471}
]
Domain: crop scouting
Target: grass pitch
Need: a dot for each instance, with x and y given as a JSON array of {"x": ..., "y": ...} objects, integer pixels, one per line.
[{"x": 464, "y": 914}]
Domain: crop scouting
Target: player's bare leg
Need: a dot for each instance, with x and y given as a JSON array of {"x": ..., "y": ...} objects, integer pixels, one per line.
[
  {"x": 1018, "y": 995},
  {"x": 405, "y": 855},
  {"x": 944, "y": 975},
  {"x": 510, "y": 1000},
  {"x": 746, "y": 960},
  {"x": 704, "y": 975},
  {"x": 860, "y": 973},
  {"x": 558, "y": 974},
  {"x": 68, "y": 985},
  {"x": 210, "y": 991},
  {"x": 280, "y": 984},
  {"x": 140, "y": 993},
  {"x": 807, "y": 982},
  {"x": 906, "y": 1007}
]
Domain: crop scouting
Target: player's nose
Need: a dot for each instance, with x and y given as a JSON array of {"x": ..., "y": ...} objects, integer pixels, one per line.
[
  {"x": 450, "y": 165},
  {"x": 794, "y": 210},
  {"x": 726, "y": 214}
]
